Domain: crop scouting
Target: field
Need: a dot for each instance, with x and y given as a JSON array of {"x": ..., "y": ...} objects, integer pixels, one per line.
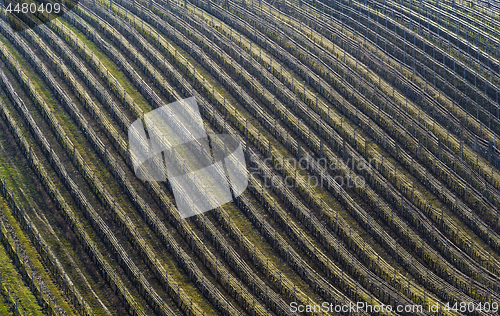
[{"x": 369, "y": 129}]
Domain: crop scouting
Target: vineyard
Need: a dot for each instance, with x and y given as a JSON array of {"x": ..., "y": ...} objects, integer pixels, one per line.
[{"x": 369, "y": 130}]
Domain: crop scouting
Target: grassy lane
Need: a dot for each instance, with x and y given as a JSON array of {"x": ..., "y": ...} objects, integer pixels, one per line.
[
  {"x": 67, "y": 250},
  {"x": 13, "y": 289},
  {"x": 112, "y": 68},
  {"x": 76, "y": 178},
  {"x": 298, "y": 85},
  {"x": 427, "y": 191},
  {"x": 146, "y": 195}
]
